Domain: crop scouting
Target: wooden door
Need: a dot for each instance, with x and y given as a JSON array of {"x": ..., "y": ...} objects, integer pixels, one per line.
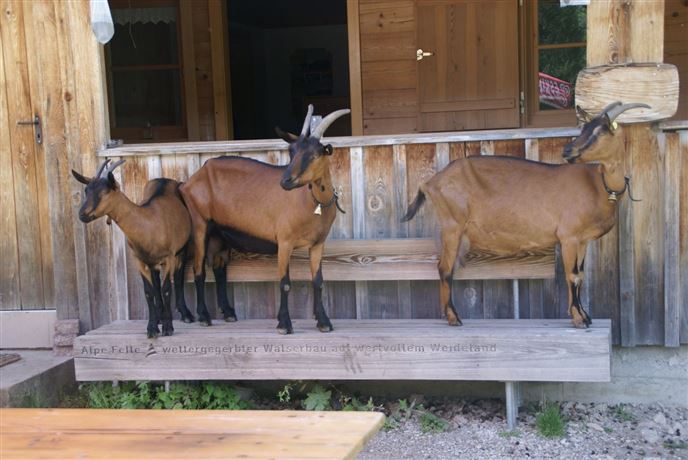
[
  {"x": 471, "y": 79},
  {"x": 26, "y": 271}
]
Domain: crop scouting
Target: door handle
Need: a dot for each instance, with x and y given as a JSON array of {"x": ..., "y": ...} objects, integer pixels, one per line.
[
  {"x": 37, "y": 132},
  {"x": 420, "y": 54}
]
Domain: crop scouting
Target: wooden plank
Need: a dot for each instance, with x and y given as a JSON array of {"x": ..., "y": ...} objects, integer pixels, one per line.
[
  {"x": 671, "y": 196},
  {"x": 9, "y": 252},
  {"x": 387, "y": 17},
  {"x": 388, "y": 75},
  {"x": 23, "y": 144},
  {"x": 189, "y": 69},
  {"x": 532, "y": 350},
  {"x": 355, "y": 91},
  {"x": 218, "y": 148},
  {"x": 390, "y": 46},
  {"x": 654, "y": 84},
  {"x": 387, "y": 260},
  {"x": 683, "y": 235},
  {"x": 390, "y": 103},
  {"x": 220, "y": 68},
  {"x": 90, "y": 120},
  {"x": 39, "y": 433}
]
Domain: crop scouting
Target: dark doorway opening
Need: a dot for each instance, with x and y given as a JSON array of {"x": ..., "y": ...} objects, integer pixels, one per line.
[{"x": 284, "y": 56}]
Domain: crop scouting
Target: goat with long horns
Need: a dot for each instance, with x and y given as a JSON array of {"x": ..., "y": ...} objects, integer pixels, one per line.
[
  {"x": 157, "y": 230},
  {"x": 506, "y": 205},
  {"x": 257, "y": 207}
]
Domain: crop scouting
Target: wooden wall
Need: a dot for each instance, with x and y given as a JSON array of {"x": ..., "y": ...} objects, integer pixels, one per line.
[
  {"x": 51, "y": 66},
  {"x": 378, "y": 182},
  {"x": 676, "y": 48}
]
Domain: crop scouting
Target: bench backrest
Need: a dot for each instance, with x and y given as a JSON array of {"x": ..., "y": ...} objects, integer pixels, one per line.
[{"x": 390, "y": 260}]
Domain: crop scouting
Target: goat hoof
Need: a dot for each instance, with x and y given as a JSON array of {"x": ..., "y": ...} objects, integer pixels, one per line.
[
  {"x": 325, "y": 328},
  {"x": 167, "y": 333},
  {"x": 205, "y": 322},
  {"x": 455, "y": 321},
  {"x": 188, "y": 320},
  {"x": 230, "y": 319},
  {"x": 283, "y": 331},
  {"x": 153, "y": 335}
]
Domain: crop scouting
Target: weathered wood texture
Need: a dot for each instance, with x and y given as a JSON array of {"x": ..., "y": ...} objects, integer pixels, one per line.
[
  {"x": 533, "y": 350},
  {"x": 646, "y": 240},
  {"x": 676, "y": 48},
  {"x": 654, "y": 84},
  {"x": 104, "y": 433},
  {"x": 385, "y": 279},
  {"x": 51, "y": 66},
  {"x": 378, "y": 182}
]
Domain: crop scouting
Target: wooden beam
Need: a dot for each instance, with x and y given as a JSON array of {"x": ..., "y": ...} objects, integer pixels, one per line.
[
  {"x": 355, "y": 88},
  {"x": 501, "y": 350},
  {"x": 189, "y": 70},
  {"x": 219, "y": 49},
  {"x": 389, "y": 260},
  {"x": 654, "y": 84},
  {"x": 672, "y": 249}
]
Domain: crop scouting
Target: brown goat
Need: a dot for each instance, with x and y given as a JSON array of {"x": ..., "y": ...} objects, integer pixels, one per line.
[
  {"x": 157, "y": 231},
  {"x": 256, "y": 207},
  {"x": 507, "y": 206}
]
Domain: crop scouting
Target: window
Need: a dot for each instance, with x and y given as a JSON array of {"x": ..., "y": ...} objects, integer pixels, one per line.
[
  {"x": 145, "y": 73},
  {"x": 555, "y": 53}
]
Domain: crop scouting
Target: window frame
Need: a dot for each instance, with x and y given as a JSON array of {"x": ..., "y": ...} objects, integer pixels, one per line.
[
  {"x": 532, "y": 116},
  {"x": 160, "y": 133}
]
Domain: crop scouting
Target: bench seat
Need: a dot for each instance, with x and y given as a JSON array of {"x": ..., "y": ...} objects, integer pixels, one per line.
[{"x": 497, "y": 350}]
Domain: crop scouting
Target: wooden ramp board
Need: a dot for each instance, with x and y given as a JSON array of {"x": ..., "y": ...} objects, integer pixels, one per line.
[
  {"x": 192, "y": 434},
  {"x": 501, "y": 350},
  {"x": 388, "y": 260}
]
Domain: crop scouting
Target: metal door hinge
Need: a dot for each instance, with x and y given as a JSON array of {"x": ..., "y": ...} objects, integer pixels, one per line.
[
  {"x": 522, "y": 102},
  {"x": 36, "y": 122}
]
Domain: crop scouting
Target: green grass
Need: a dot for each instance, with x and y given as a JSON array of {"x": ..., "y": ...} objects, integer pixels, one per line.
[
  {"x": 680, "y": 444},
  {"x": 549, "y": 422},
  {"x": 621, "y": 414},
  {"x": 430, "y": 423},
  {"x": 146, "y": 395}
]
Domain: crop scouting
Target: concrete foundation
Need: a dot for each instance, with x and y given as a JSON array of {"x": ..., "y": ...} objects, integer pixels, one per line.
[{"x": 38, "y": 379}]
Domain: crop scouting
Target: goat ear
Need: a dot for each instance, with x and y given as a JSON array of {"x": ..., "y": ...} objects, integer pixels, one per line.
[
  {"x": 327, "y": 149},
  {"x": 582, "y": 115},
  {"x": 287, "y": 137},
  {"x": 84, "y": 180}
]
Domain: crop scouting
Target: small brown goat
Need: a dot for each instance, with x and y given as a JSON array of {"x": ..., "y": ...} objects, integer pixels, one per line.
[
  {"x": 157, "y": 231},
  {"x": 506, "y": 206},
  {"x": 255, "y": 207}
]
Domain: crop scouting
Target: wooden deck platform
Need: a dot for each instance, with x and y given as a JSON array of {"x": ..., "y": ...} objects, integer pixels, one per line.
[
  {"x": 143, "y": 434},
  {"x": 500, "y": 350}
]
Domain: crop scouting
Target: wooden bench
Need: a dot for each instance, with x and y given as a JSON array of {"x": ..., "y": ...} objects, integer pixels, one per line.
[
  {"x": 138, "y": 434},
  {"x": 507, "y": 350}
]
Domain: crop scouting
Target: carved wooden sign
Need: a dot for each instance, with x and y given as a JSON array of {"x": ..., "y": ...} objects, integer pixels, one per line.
[
  {"x": 503, "y": 350},
  {"x": 655, "y": 84}
]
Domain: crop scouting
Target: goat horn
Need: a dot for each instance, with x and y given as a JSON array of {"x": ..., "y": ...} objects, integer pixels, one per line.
[
  {"x": 307, "y": 121},
  {"x": 327, "y": 121},
  {"x": 101, "y": 168},
  {"x": 618, "y": 110},
  {"x": 115, "y": 165}
]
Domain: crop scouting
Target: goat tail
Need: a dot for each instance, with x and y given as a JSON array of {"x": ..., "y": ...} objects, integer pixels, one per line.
[{"x": 414, "y": 206}]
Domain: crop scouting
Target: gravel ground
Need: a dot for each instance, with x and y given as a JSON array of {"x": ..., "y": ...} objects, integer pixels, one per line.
[{"x": 477, "y": 430}]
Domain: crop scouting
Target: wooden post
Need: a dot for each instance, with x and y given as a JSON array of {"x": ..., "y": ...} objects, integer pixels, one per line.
[
  {"x": 511, "y": 404},
  {"x": 623, "y": 32}
]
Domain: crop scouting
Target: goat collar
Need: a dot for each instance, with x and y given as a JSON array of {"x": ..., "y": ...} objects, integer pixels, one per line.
[
  {"x": 614, "y": 195},
  {"x": 334, "y": 200}
]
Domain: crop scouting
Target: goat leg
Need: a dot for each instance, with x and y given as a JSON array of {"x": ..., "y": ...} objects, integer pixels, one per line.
[
  {"x": 166, "y": 293},
  {"x": 580, "y": 266},
  {"x": 179, "y": 299},
  {"x": 149, "y": 291},
  {"x": 450, "y": 247},
  {"x": 569, "y": 252},
  {"x": 284, "y": 321},
  {"x": 315, "y": 253},
  {"x": 220, "y": 261}
]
